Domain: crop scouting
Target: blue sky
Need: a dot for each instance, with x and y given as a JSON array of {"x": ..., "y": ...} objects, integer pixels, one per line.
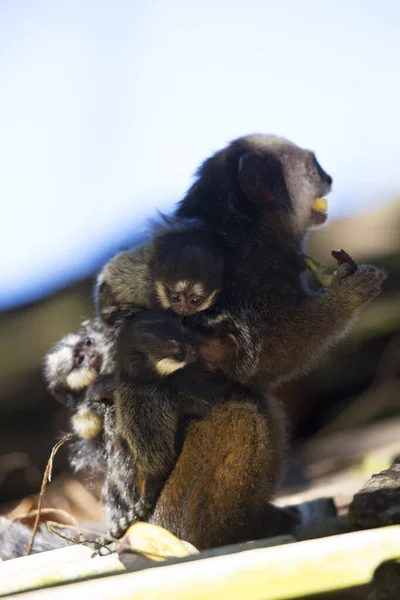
[{"x": 107, "y": 108}]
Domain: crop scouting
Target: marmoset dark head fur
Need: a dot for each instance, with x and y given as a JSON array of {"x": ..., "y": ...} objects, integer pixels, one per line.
[
  {"x": 154, "y": 343},
  {"x": 78, "y": 359},
  {"x": 254, "y": 177},
  {"x": 187, "y": 270}
]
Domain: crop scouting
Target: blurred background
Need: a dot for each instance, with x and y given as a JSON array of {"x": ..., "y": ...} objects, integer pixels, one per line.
[{"x": 106, "y": 110}]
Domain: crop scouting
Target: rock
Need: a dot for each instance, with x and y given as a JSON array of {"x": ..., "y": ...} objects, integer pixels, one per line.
[{"x": 377, "y": 503}]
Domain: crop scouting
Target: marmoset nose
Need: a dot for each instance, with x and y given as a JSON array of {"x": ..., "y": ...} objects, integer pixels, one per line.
[
  {"x": 95, "y": 360},
  {"x": 182, "y": 308},
  {"x": 324, "y": 176}
]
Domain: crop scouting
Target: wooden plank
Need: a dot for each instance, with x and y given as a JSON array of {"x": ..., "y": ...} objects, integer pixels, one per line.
[
  {"x": 55, "y": 566},
  {"x": 278, "y": 573},
  {"x": 34, "y": 561}
]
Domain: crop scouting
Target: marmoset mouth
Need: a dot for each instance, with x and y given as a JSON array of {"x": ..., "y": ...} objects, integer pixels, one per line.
[
  {"x": 319, "y": 211},
  {"x": 96, "y": 362},
  {"x": 318, "y": 218}
]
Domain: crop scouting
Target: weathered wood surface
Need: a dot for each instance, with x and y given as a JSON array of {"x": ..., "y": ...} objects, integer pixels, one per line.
[
  {"x": 56, "y": 566},
  {"x": 283, "y": 572}
]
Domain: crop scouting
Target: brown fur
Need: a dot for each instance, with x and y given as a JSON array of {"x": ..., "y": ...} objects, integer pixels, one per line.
[
  {"x": 225, "y": 475},
  {"x": 319, "y": 323},
  {"x": 294, "y": 344},
  {"x": 214, "y": 350}
]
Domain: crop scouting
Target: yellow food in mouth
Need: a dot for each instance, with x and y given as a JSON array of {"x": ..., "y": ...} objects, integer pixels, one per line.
[{"x": 320, "y": 205}]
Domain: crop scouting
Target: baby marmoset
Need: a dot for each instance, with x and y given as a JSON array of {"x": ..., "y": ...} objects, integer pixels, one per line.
[
  {"x": 180, "y": 271},
  {"x": 80, "y": 372},
  {"x": 160, "y": 386}
]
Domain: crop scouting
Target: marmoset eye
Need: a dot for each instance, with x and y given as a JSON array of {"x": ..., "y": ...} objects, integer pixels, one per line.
[
  {"x": 181, "y": 354},
  {"x": 197, "y": 300},
  {"x": 80, "y": 360}
]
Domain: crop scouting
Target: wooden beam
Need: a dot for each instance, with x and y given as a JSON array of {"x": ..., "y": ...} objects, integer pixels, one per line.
[{"x": 277, "y": 573}]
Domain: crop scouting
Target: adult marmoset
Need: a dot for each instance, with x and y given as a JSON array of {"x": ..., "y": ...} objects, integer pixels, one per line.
[{"x": 259, "y": 197}]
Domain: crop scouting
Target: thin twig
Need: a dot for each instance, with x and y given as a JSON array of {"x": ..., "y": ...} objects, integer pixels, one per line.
[
  {"x": 77, "y": 541},
  {"x": 82, "y": 541},
  {"x": 46, "y": 477}
]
